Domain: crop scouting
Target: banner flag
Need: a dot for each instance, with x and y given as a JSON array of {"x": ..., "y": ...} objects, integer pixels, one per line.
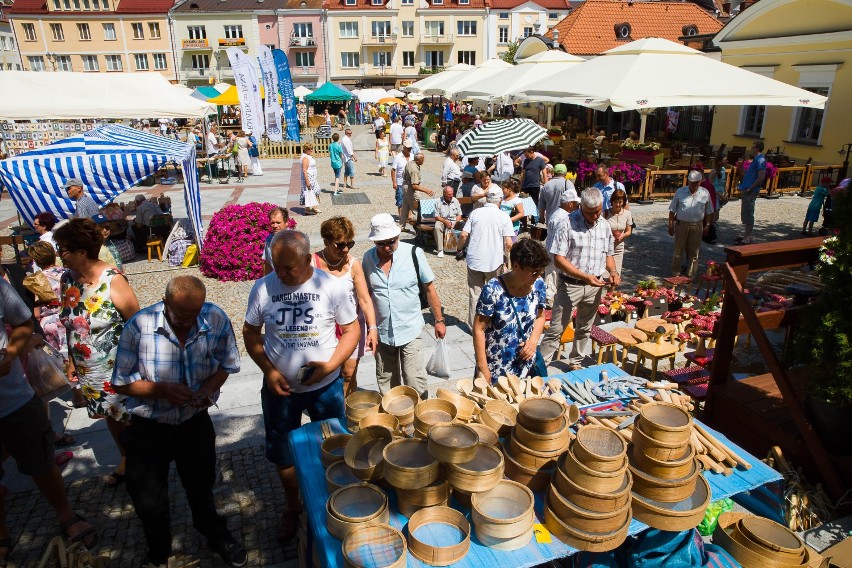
[
  {"x": 285, "y": 86},
  {"x": 270, "y": 85},
  {"x": 248, "y": 90}
]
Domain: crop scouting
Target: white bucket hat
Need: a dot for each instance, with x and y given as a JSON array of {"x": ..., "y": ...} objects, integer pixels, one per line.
[{"x": 383, "y": 228}]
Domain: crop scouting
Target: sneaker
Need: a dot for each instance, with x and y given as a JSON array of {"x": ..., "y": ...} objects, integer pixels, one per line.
[
  {"x": 440, "y": 254},
  {"x": 231, "y": 551},
  {"x": 338, "y": 192}
]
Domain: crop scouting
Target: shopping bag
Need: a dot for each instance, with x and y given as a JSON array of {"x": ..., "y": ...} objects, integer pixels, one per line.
[
  {"x": 46, "y": 372},
  {"x": 39, "y": 285},
  {"x": 190, "y": 257},
  {"x": 439, "y": 363},
  {"x": 451, "y": 241}
]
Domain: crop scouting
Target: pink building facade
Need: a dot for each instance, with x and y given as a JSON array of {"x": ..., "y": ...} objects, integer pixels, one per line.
[{"x": 300, "y": 33}]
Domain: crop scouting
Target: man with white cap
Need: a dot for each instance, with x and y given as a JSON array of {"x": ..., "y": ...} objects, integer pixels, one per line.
[
  {"x": 488, "y": 233},
  {"x": 690, "y": 214},
  {"x": 549, "y": 200},
  {"x": 568, "y": 202},
  {"x": 86, "y": 207},
  {"x": 394, "y": 273},
  {"x": 397, "y": 170}
]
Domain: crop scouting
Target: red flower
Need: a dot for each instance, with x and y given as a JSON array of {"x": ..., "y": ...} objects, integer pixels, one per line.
[
  {"x": 83, "y": 350},
  {"x": 108, "y": 388}
]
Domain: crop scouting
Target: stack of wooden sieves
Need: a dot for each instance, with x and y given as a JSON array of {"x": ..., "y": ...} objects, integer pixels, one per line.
[
  {"x": 532, "y": 447},
  {"x": 588, "y": 503},
  {"x": 756, "y": 542}
]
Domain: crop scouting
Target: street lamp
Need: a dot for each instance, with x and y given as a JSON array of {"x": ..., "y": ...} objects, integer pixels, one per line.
[{"x": 844, "y": 153}]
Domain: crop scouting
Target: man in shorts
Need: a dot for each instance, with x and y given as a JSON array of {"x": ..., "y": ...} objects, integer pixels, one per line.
[{"x": 349, "y": 158}]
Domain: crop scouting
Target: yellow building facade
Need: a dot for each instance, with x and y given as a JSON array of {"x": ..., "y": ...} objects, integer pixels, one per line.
[{"x": 806, "y": 43}]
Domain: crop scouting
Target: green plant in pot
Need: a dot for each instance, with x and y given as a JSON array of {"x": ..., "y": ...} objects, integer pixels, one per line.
[{"x": 823, "y": 342}]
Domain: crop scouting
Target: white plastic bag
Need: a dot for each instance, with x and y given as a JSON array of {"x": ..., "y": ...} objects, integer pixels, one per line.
[
  {"x": 439, "y": 363},
  {"x": 46, "y": 373}
]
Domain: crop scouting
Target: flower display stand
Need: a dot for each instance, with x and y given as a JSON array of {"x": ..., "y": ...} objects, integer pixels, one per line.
[{"x": 644, "y": 157}]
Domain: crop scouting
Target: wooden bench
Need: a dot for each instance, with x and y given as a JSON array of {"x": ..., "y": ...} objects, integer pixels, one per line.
[{"x": 425, "y": 224}]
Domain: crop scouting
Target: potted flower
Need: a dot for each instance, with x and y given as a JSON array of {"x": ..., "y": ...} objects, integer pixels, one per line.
[
  {"x": 642, "y": 152},
  {"x": 555, "y": 134},
  {"x": 585, "y": 174},
  {"x": 822, "y": 344}
]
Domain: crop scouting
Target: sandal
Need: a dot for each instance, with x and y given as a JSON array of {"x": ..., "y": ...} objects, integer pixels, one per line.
[
  {"x": 288, "y": 526},
  {"x": 64, "y": 441},
  {"x": 87, "y": 537},
  {"x": 62, "y": 458},
  {"x": 9, "y": 545},
  {"x": 115, "y": 479}
]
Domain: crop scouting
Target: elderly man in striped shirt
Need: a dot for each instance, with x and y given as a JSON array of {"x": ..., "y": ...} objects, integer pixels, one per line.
[{"x": 582, "y": 252}]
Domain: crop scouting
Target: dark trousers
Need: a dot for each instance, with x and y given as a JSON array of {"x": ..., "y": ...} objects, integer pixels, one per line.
[{"x": 151, "y": 447}]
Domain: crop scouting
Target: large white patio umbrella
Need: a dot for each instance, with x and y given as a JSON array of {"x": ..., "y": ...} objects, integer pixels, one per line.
[
  {"x": 301, "y": 92},
  {"x": 395, "y": 93},
  {"x": 446, "y": 75},
  {"x": 653, "y": 72},
  {"x": 534, "y": 70},
  {"x": 371, "y": 95},
  {"x": 484, "y": 71}
]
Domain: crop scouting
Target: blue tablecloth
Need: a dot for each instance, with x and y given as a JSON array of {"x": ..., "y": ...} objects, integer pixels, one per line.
[{"x": 306, "y": 441}]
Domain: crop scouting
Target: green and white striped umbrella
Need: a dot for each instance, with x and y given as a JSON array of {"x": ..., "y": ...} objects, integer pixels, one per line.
[{"x": 499, "y": 136}]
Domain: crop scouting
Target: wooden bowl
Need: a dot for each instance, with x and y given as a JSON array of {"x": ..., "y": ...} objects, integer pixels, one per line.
[
  {"x": 582, "y": 540},
  {"x": 380, "y": 419},
  {"x": 465, "y": 408},
  {"x": 593, "y": 500},
  {"x": 543, "y": 442},
  {"x": 503, "y": 514},
  {"x": 431, "y": 412},
  {"x": 487, "y": 435},
  {"x": 728, "y": 535},
  {"x": 651, "y": 447},
  {"x": 536, "y": 478},
  {"x": 599, "y": 448},
  {"x": 585, "y": 519},
  {"x": 677, "y": 516},
  {"x": 339, "y": 475},
  {"x": 541, "y": 415},
  {"x": 666, "y": 469},
  {"x": 590, "y": 479},
  {"x": 362, "y": 403},
  {"x": 665, "y": 490},
  {"x": 332, "y": 448},
  {"x": 481, "y": 473},
  {"x": 771, "y": 535},
  {"x": 431, "y": 553},
  {"x": 363, "y": 453},
  {"x": 665, "y": 422},
  {"x": 400, "y": 401},
  {"x": 452, "y": 443},
  {"x": 408, "y": 464},
  {"x": 529, "y": 457},
  {"x": 499, "y": 416},
  {"x": 355, "y": 505},
  {"x": 371, "y": 541},
  {"x": 412, "y": 500}
]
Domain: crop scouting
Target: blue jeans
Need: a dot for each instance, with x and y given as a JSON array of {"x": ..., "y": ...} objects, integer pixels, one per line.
[{"x": 283, "y": 414}]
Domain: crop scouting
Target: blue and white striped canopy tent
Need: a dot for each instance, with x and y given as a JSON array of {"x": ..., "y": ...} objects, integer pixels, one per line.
[{"x": 109, "y": 160}]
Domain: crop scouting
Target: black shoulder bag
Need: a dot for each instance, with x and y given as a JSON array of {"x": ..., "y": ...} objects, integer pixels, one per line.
[{"x": 421, "y": 289}]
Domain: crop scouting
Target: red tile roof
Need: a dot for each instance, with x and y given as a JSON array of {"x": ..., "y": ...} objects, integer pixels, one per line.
[
  {"x": 28, "y": 7},
  {"x": 546, "y": 4},
  {"x": 368, "y": 5},
  {"x": 228, "y": 5},
  {"x": 144, "y": 6},
  {"x": 590, "y": 28}
]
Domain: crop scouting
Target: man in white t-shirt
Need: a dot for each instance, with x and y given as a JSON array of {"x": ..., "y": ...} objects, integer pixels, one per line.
[
  {"x": 379, "y": 125},
  {"x": 396, "y": 131},
  {"x": 488, "y": 233},
  {"x": 349, "y": 158},
  {"x": 289, "y": 332},
  {"x": 398, "y": 171},
  {"x": 164, "y": 126},
  {"x": 213, "y": 141}
]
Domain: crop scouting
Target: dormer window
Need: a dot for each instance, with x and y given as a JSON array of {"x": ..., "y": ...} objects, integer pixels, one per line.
[
  {"x": 622, "y": 31},
  {"x": 350, "y": 2},
  {"x": 464, "y": 2},
  {"x": 690, "y": 30},
  {"x": 437, "y": 2},
  {"x": 377, "y": 2}
]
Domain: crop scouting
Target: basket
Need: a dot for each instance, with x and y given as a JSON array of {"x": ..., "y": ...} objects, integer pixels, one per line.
[
  {"x": 771, "y": 535},
  {"x": 412, "y": 500},
  {"x": 503, "y": 517},
  {"x": 528, "y": 457},
  {"x": 355, "y": 505},
  {"x": 582, "y": 540},
  {"x": 499, "y": 416},
  {"x": 665, "y": 469},
  {"x": 408, "y": 464},
  {"x": 465, "y": 408},
  {"x": 592, "y": 500},
  {"x": 665, "y": 490},
  {"x": 543, "y": 442},
  {"x": 585, "y": 519},
  {"x": 363, "y": 453},
  {"x": 665, "y": 422},
  {"x": 360, "y": 404},
  {"x": 380, "y": 419},
  {"x": 436, "y": 553},
  {"x": 589, "y": 479},
  {"x": 363, "y": 546},
  {"x": 536, "y": 478},
  {"x": 452, "y": 443},
  {"x": 332, "y": 449},
  {"x": 729, "y": 533},
  {"x": 481, "y": 473},
  {"x": 644, "y": 444},
  {"x": 599, "y": 448},
  {"x": 486, "y": 434},
  {"x": 431, "y": 412},
  {"x": 400, "y": 402},
  {"x": 674, "y": 516},
  {"x": 541, "y": 415},
  {"x": 339, "y": 475}
]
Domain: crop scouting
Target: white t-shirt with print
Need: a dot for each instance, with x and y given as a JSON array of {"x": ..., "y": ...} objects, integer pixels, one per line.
[
  {"x": 298, "y": 322},
  {"x": 398, "y": 167}
]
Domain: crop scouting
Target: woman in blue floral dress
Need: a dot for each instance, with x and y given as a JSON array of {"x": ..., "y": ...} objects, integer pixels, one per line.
[
  {"x": 96, "y": 301},
  {"x": 510, "y": 314}
]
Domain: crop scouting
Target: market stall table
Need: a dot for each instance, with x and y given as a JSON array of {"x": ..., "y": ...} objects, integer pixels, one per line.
[{"x": 306, "y": 440}]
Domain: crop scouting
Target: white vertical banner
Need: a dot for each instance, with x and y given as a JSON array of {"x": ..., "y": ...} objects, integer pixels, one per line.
[
  {"x": 248, "y": 89},
  {"x": 270, "y": 84}
]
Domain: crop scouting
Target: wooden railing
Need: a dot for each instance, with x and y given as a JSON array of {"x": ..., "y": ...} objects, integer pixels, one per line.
[{"x": 290, "y": 149}]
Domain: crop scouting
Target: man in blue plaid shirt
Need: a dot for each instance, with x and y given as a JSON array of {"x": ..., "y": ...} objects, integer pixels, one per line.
[{"x": 173, "y": 357}]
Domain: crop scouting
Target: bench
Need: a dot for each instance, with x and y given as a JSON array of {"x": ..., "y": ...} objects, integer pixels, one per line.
[{"x": 425, "y": 224}]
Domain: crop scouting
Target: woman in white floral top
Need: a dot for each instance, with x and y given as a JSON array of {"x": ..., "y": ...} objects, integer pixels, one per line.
[{"x": 96, "y": 301}]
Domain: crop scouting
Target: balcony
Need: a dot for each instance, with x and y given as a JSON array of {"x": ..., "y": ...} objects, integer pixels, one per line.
[
  {"x": 189, "y": 72},
  {"x": 306, "y": 71},
  {"x": 194, "y": 44},
  {"x": 431, "y": 69},
  {"x": 306, "y": 42},
  {"x": 379, "y": 39},
  {"x": 380, "y": 70},
  {"x": 445, "y": 39}
]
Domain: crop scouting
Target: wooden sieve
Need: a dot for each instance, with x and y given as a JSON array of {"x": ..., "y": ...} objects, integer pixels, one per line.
[
  {"x": 438, "y": 536},
  {"x": 665, "y": 422},
  {"x": 465, "y": 407},
  {"x": 431, "y": 412},
  {"x": 354, "y": 505},
  {"x": 380, "y": 419},
  {"x": 651, "y": 447},
  {"x": 332, "y": 449},
  {"x": 536, "y": 478},
  {"x": 363, "y": 547},
  {"x": 362, "y": 403},
  {"x": 727, "y": 533},
  {"x": 452, "y": 443},
  {"x": 543, "y": 442},
  {"x": 363, "y": 453},
  {"x": 582, "y": 540},
  {"x": 590, "y": 479},
  {"x": 400, "y": 401},
  {"x": 665, "y": 469},
  {"x": 666, "y": 490},
  {"x": 771, "y": 535},
  {"x": 487, "y": 435},
  {"x": 528, "y": 457},
  {"x": 338, "y": 475},
  {"x": 599, "y": 448},
  {"x": 541, "y": 415},
  {"x": 412, "y": 500},
  {"x": 593, "y": 500},
  {"x": 481, "y": 473},
  {"x": 585, "y": 519},
  {"x": 682, "y": 515},
  {"x": 408, "y": 464},
  {"x": 503, "y": 514},
  {"x": 499, "y": 416}
]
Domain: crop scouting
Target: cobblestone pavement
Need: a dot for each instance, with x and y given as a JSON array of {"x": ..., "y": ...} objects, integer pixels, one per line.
[{"x": 248, "y": 491}]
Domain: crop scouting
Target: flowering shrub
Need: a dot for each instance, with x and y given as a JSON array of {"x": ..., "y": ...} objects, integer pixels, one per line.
[
  {"x": 631, "y": 144},
  {"x": 771, "y": 170},
  {"x": 233, "y": 245},
  {"x": 627, "y": 173},
  {"x": 585, "y": 173}
]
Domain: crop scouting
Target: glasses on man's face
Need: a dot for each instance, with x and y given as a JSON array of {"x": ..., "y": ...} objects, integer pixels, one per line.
[
  {"x": 386, "y": 244},
  {"x": 344, "y": 246}
]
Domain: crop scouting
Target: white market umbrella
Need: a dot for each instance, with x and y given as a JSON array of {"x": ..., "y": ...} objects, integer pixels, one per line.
[
  {"x": 484, "y": 71},
  {"x": 499, "y": 136},
  {"x": 421, "y": 86},
  {"x": 301, "y": 92},
  {"x": 371, "y": 95},
  {"x": 395, "y": 93},
  {"x": 652, "y": 73}
]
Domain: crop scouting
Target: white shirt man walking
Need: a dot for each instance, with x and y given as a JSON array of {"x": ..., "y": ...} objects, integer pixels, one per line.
[
  {"x": 349, "y": 158},
  {"x": 690, "y": 215}
]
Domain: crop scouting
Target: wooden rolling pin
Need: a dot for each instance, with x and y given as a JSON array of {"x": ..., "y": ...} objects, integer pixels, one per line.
[{"x": 723, "y": 448}]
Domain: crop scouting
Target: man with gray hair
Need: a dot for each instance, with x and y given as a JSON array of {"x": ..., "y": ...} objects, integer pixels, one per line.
[
  {"x": 582, "y": 250},
  {"x": 86, "y": 208},
  {"x": 451, "y": 173},
  {"x": 290, "y": 332},
  {"x": 411, "y": 182},
  {"x": 568, "y": 202}
]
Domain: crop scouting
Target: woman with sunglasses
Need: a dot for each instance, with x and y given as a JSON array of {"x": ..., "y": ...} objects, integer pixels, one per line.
[
  {"x": 338, "y": 235},
  {"x": 510, "y": 314}
]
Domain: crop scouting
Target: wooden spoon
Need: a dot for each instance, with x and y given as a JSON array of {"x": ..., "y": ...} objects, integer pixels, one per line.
[
  {"x": 482, "y": 385},
  {"x": 538, "y": 385},
  {"x": 515, "y": 383},
  {"x": 503, "y": 383},
  {"x": 465, "y": 386},
  {"x": 496, "y": 394},
  {"x": 528, "y": 387},
  {"x": 558, "y": 396},
  {"x": 555, "y": 386}
]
